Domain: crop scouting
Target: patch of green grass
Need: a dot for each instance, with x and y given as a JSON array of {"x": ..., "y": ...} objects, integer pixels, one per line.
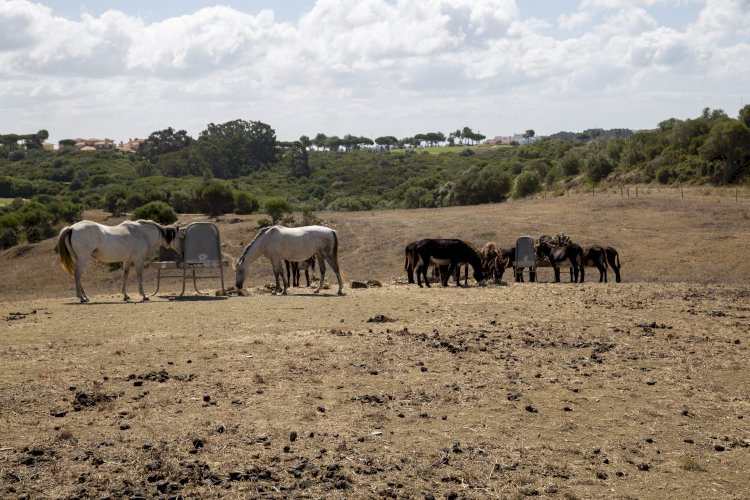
[{"x": 5, "y": 201}]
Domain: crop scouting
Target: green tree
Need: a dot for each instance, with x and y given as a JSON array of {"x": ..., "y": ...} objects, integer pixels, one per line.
[
  {"x": 745, "y": 115},
  {"x": 237, "y": 148},
  {"x": 729, "y": 144},
  {"x": 299, "y": 165},
  {"x": 164, "y": 141}
]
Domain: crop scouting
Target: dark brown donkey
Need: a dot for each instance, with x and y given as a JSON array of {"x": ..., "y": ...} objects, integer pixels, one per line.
[
  {"x": 567, "y": 256},
  {"x": 450, "y": 252},
  {"x": 295, "y": 270},
  {"x": 600, "y": 257}
]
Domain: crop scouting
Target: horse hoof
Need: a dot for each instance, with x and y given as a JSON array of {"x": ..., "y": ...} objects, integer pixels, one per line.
[
  {"x": 316, "y": 291},
  {"x": 84, "y": 300},
  {"x": 341, "y": 292},
  {"x": 146, "y": 299}
]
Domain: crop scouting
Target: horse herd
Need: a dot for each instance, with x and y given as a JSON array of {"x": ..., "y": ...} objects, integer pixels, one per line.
[
  {"x": 131, "y": 242},
  {"x": 447, "y": 256}
]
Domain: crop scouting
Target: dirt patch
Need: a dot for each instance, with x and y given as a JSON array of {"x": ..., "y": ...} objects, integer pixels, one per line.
[{"x": 590, "y": 390}]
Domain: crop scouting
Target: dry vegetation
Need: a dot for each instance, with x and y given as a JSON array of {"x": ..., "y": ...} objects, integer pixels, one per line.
[{"x": 628, "y": 390}]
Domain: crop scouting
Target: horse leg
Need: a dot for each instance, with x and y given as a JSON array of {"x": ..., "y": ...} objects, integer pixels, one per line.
[
  {"x": 279, "y": 272},
  {"x": 125, "y": 271},
  {"x": 453, "y": 268},
  {"x": 307, "y": 278},
  {"x": 322, "y": 266},
  {"x": 335, "y": 266},
  {"x": 78, "y": 272},
  {"x": 557, "y": 274},
  {"x": 580, "y": 270},
  {"x": 139, "y": 278}
]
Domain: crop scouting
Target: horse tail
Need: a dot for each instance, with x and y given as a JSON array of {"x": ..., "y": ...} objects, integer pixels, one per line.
[
  {"x": 65, "y": 250},
  {"x": 335, "y": 245}
]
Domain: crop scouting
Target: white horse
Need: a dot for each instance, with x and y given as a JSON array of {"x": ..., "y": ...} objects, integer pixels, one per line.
[
  {"x": 128, "y": 243},
  {"x": 295, "y": 244}
]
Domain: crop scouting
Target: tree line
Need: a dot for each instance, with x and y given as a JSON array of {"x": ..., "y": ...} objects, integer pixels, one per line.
[{"x": 241, "y": 167}]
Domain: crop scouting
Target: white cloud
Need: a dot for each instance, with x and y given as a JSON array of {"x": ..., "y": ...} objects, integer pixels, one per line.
[{"x": 364, "y": 64}]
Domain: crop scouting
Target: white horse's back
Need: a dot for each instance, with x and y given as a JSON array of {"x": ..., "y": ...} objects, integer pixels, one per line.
[
  {"x": 128, "y": 242},
  {"x": 279, "y": 244}
]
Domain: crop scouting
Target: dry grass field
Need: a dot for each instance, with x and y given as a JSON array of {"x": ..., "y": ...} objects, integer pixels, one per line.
[{"x": 632, "y": 390}]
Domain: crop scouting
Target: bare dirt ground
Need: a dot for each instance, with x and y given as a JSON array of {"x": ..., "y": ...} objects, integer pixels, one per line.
[{"x": 631, "y": 390}]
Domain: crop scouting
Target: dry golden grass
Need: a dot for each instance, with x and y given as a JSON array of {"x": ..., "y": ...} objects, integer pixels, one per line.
[{"x": 567, "y": 390}]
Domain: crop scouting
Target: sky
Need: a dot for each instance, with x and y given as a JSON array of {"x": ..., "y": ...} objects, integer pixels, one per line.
[{"x": 123, "y": 69}]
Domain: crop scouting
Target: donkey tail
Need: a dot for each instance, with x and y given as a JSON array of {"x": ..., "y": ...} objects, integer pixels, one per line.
[{"x": 65, "y": 250}]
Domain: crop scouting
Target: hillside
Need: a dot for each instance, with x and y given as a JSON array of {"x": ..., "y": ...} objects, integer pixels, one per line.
[{"x": 660, "y": 236}]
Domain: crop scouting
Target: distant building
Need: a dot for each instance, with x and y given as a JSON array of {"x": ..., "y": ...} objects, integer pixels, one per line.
[
  {"x": 131, "y": 146},
  {"x": 94, "y": 144}
]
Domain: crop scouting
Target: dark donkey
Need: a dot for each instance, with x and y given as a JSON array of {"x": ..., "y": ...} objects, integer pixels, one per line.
[
  {"x": 294, "y": 275},
  {"x": 448, "y": 252},
  {"x": 594, "y": 256},
  {"x": 613, "y": 259},
  {"x": 567, "y": 256},
  {"x": 410, "y": 262},
  {"x": 600, "y": 256}
]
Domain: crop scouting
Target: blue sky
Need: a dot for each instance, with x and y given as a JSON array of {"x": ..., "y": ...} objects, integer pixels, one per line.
[{"x": 122, "y": 69}]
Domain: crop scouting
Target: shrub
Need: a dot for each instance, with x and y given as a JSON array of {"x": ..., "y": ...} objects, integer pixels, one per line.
[
  {"x": 8, "y": 237},
  {"x": 598, "y": 167},
  {"x": 526, "y": 183},
  {"x": 157, "y": 211},
  {"x": 216, "y": 197},
  {"x": 245, "y": 203},
  {"x": 276, "y": 208}
]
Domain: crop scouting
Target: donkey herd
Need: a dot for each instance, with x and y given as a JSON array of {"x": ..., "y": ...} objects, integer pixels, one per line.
[
  {"x": 447, "y": 256},
  {"x": 304, "y": 247}
]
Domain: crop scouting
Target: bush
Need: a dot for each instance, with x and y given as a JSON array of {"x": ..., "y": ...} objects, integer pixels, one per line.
[
  {"x": 8, "y": 237},
  {"x": 216, "y": 197},
  {"x": 276, "y": 208},
  {"x": 525, "y": 184},
  {"x": 157, "y": 211},
  {"x": 245, "y": 203},
  {"x": 598, "y": 167}
]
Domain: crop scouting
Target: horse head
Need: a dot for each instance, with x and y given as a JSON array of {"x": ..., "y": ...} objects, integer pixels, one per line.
[
  {"x": 239, "y": 272},
  {"x": 177, "y": 243}
]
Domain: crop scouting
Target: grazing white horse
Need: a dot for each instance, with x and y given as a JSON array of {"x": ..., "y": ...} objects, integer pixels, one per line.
[
  {"x": 295, "y": 244},
  {"x": 128, "y": 243}
]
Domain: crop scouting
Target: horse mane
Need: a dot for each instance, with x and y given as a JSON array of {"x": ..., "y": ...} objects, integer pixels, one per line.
[
  {"x": 169, "y": 233},
  {"x": 263, "y": 230}
]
